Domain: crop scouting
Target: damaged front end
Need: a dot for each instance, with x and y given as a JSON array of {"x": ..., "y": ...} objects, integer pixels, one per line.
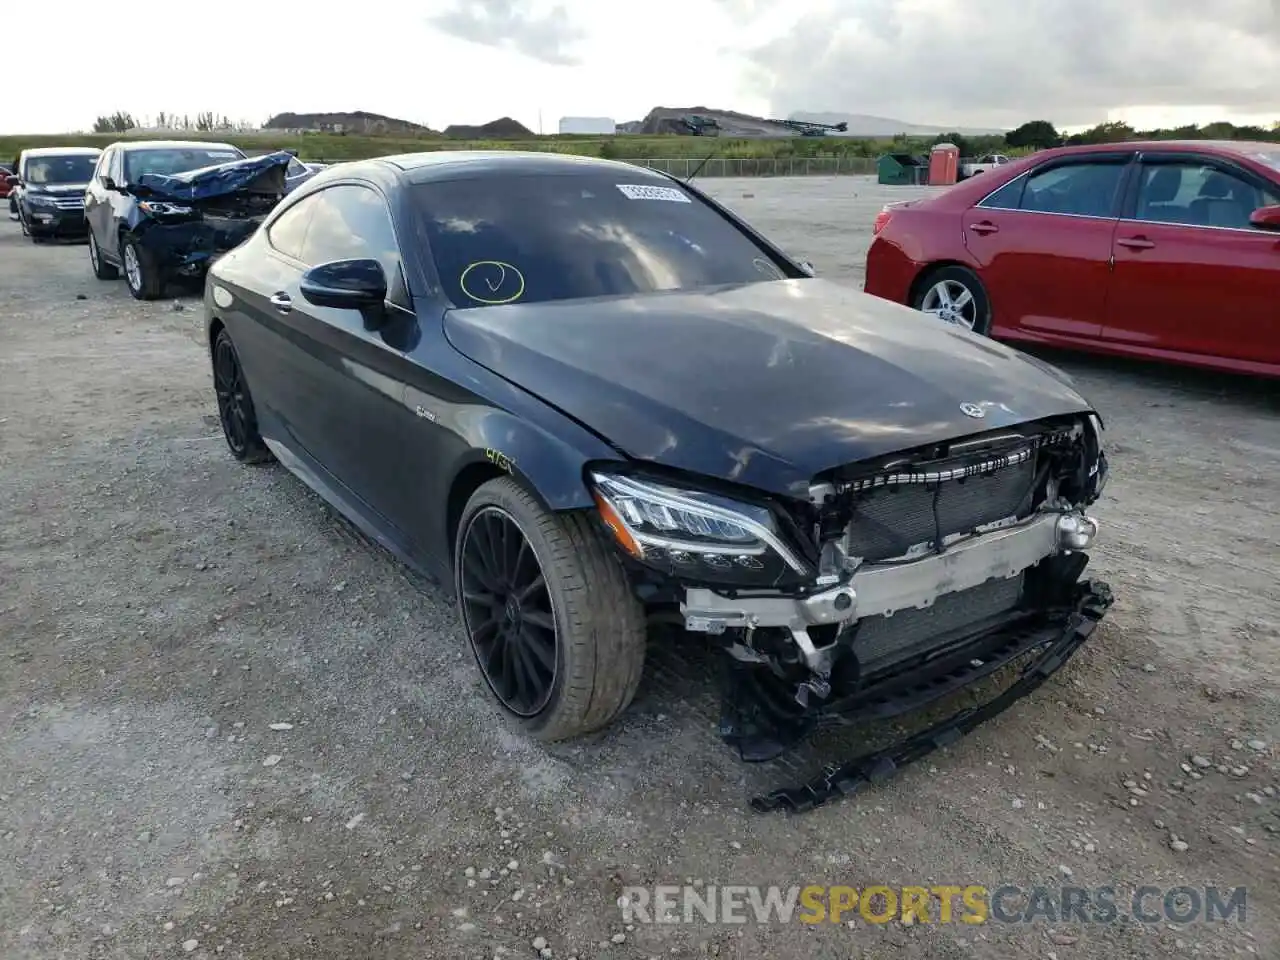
[
  {"x": 902, "y": 580},
  {"x": 187, "y": 220}
]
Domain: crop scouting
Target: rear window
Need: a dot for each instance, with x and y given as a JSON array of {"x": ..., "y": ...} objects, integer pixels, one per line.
[
  {"x": 168, "y": 161},
  {"x": 537, "y": 238}
]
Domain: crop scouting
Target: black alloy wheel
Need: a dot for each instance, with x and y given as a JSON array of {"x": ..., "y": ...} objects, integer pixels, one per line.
[
  {"x": 235, "y": 405},
  {"x": 507, "y": 611}
]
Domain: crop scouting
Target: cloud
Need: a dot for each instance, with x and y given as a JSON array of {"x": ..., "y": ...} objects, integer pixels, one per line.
[
  {"x": 549, "y": 37},
  {"x": 1000, "y": 62}
]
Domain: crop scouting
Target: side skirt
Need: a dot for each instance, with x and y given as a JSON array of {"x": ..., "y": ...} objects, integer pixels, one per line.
[{"x": 335, "y": 494}]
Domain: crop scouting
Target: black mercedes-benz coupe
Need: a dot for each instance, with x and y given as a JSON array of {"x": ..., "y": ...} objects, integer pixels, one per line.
[{"x": 590, "y": 398}]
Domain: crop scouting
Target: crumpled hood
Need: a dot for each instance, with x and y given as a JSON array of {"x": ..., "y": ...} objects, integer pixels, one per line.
[
  {"x": 265, "y": 174},
  {"x": 765, "y": 384}
]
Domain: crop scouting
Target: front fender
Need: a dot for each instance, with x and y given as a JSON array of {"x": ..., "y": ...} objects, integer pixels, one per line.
[{"x": 549, "y": 466}]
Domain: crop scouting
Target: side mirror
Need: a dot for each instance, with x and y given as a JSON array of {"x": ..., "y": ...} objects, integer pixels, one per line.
[
  {"x": 1266, "y": 218},
  {"x": 807, "y": 267},
  {"x": 346, "y": 285},
  {"x": 11, "y": 180},
  {"x": 108, "y": 184}
]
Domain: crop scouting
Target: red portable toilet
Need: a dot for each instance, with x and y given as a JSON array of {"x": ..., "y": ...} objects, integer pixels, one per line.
[{"x": 944, "y": 164}]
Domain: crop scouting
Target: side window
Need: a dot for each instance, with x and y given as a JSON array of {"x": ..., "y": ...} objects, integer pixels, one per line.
[
  {"x": 103, "y": 164},
  {"x": 288, "y": 233},
  {"x": 295, "y": 168},
  {"x": 1080, "y": 189},
  {"x": 351, "y": 223},
  {"x": 116, "y": 170},
  {"x": 1197, "y": 194},
  {"x": 1008, "y": 197}
]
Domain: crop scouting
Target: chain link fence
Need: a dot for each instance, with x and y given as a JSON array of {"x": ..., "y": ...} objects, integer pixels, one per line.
[{"x": 766, "y": 167}]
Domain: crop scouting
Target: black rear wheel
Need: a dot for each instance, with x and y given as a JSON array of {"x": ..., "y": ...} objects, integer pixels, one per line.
[
  {"x": 235, "y": 404},
  {"x": 548, "y": 613}
]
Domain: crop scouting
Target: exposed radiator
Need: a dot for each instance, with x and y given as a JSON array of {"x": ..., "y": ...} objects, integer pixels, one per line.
[
  {"x": 890, "y": 520},
  {"x": 881, "y": 641}
]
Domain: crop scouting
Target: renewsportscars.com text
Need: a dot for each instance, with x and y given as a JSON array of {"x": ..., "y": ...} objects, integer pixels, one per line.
[{"x": 971, "y": 904}]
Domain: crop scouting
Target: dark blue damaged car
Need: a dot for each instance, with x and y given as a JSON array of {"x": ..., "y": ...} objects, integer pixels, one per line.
[
  {"x": 590, "y": 399},
  {"x": 162, "y": 211}
]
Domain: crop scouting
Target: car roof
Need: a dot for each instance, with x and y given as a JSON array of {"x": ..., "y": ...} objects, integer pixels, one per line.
[
  {"x": 469, "y": 164},
  {"x": 1231, "y": 148},
  {"x": 129, "y": 145},
  {"x": 61, "y": 152}
]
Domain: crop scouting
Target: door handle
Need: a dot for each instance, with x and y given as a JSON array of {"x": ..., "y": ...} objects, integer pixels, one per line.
[
  {"x": 984, "y": 227},
  {"x": 1136, "y": 243},
  {"x": 281, "y": 302}
]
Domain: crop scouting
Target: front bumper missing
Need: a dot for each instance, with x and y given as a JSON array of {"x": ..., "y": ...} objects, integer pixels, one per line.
[
  {"x": 189, "y": 248},
  {"x": 1057, "y": 643},
  {"x": 882, "y": 589}
]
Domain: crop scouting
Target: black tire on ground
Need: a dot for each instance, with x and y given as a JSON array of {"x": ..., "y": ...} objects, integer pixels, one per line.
[
  {"x": 599, "y": 626},
  {"x": 955, "y": 278},
  {"x": 235, "y": 404},
  {"x": 101, "y": 269},
  {"x": 150, "y": 285}
]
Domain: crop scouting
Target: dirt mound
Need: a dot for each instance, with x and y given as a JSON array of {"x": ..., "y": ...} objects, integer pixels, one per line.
[
  {"x": 503, "y": 128},
  {"x": 356, "y": 122}
]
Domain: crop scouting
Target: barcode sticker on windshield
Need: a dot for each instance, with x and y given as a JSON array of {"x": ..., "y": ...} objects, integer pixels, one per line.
[{"x": 644, "y": 192}]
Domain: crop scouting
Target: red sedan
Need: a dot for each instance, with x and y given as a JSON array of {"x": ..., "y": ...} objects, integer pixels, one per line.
[{"x": 1166, "y": 251}]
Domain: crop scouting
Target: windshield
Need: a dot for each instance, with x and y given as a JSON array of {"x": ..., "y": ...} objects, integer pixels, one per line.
[
  {"x": 72, "y": 169},
  {"x": 168, "y": 161},
  {"x": 536, "y": 238}
]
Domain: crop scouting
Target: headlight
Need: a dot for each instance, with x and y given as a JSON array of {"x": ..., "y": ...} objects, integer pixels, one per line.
[
  {"x": 1097, "y": 469},
  {"x": 157, "y": 208},
  {"x": 693, "y": 533},
  {"x": 40, "y": 200}
]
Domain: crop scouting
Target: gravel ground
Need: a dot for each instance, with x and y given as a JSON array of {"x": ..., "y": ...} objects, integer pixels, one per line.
[{"x": 165, "y": 613}]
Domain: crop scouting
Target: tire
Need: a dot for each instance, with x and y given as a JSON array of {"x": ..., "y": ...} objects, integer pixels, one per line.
[
  {"x": 147, "y": 284},
  {"x": 968, "y": 306},
  {"x": 101, "y": 269},
  {"x": 597, "y": 635},
  {"x": 235, "y": 404}
]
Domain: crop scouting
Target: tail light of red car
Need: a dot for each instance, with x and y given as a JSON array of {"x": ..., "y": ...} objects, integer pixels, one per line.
[{"x": 882, "y": 220}]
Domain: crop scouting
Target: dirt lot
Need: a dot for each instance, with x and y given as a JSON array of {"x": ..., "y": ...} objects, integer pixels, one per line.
[{"x": 161, "y": 607}]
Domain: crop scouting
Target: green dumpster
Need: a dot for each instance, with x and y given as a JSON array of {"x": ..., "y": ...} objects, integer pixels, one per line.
[{"x": 901, "y": 170}]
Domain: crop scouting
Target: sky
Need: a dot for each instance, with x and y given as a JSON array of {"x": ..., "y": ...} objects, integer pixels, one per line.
[{"x": 994, "y": 63}]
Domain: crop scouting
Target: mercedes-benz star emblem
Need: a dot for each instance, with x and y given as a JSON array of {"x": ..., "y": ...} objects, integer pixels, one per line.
[{"x": 972, "y": 410}]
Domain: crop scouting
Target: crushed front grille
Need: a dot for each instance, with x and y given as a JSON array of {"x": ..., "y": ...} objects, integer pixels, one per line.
[
  {"x": 889, "y": 521},
  {"x": 881, "y": 641}
]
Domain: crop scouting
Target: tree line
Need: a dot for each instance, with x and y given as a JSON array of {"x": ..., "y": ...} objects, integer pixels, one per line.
[
  {"x": 1041, "y": 134},
  {"x": 207, "y": 122}
]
